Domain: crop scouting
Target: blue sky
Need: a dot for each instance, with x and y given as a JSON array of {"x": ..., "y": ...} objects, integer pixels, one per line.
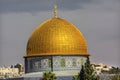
[{"x": 98, "y": 20}]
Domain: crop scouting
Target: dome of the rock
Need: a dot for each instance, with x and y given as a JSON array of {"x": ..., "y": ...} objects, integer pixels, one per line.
[{"x": 56, "y": 36}]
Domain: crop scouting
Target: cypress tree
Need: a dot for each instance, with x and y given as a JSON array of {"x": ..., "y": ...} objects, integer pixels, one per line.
[
  {"x": 82, "y": 74},
  {"x": 89, "y": 71}
]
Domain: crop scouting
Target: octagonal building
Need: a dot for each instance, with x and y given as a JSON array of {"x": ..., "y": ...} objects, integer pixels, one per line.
[{"x": 55, "y": 45}]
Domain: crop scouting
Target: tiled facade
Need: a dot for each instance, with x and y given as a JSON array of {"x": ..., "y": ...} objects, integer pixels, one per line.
[{"x": 53, "y": 63}]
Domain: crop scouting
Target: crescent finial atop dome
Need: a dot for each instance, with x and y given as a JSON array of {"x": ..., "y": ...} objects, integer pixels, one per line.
[
  {"x": 55, "y": 9},
  {"x": 56, "y": 36}
]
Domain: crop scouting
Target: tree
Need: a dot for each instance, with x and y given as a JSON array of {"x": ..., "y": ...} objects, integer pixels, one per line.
[
  {"x": 82, "y": 74},
  {"x": 76, "y": 77},
  {"x": 115, "y": 70},
  {"x": 115, "y": 77},
  {"x": 18, "y": 66},
  {"x": 116, "y": 73},
  {"x": 48, "y": 76},
  {"x": 89, "y": 71}
]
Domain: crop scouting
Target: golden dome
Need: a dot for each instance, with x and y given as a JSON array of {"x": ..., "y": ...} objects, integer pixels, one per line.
[{"x": 56, "y": 37}]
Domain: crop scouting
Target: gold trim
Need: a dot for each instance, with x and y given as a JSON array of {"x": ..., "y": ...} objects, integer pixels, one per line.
[{"x": 56, "y": 55}]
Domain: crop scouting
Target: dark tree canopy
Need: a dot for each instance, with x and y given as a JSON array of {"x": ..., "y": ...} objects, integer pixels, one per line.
[
  {"x": 82, "y": 73},
  {"x": 89, "y": 71}
]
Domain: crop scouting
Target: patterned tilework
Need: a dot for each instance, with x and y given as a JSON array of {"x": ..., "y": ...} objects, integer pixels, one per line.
[
  {"x": 67, "y": 62},
  {"x": 74, "y": 62},
  {"x": 78, "y": 62},
  {"x": 56, "y": 63},
  {"x": 44, "y": 63},
  {"x": 38, "y": 64}
]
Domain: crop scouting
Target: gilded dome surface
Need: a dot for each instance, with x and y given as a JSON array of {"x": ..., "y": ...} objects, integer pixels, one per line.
[{"x": 56, "y": 37}]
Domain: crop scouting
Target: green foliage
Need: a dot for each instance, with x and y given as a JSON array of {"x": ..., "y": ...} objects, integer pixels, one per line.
[
  {"x": 82, "y": 73},
  {"x": 89, "y": 71},
  {"x": 116, "y": 77},
  {"x": 48, "y": 76},
  {"x": 114, "y": 70},
  {"x": 76, "y": 77},
  {"x": 17, "y": 66}
]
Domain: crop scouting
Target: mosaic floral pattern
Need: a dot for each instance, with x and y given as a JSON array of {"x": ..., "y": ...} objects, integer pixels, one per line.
[
  {"x": 74, "y": 62},
  {"x": 44, "y": 63},
  {"x": 68, "y": 63},
  {"x": 58, "y": 62},
  {"x": 78, "y": 62}
]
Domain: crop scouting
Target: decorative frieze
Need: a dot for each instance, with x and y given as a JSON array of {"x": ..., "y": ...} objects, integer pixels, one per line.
[{"x": 55, "y": 63}]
